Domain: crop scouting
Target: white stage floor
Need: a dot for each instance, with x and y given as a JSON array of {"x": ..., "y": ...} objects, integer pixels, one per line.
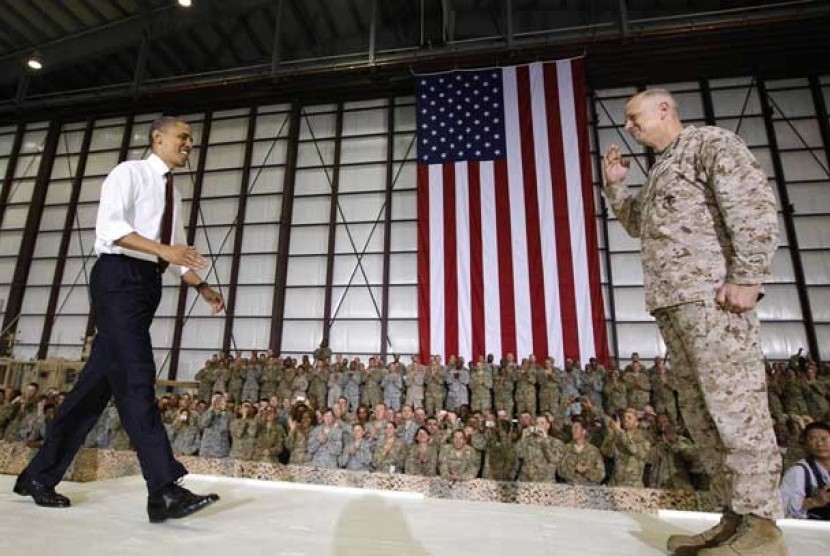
[{"x": 259, "y": 517}]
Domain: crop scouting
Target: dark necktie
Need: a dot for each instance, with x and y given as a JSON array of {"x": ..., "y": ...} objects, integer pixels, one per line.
[{"x": 167, "y": 216}]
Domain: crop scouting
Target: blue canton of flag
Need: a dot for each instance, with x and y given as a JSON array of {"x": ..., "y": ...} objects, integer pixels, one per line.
[{"x": 460, "y": 116}]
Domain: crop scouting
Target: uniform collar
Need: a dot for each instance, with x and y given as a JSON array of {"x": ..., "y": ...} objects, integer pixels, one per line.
[
  {"x": 157, "y": 164},
  {"x": 681, "y": 138}
]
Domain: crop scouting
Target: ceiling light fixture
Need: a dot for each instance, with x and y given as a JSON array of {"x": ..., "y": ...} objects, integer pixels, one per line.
[
  {"x": 185, "y": 3},
  {"x": 35, "y": 61}
]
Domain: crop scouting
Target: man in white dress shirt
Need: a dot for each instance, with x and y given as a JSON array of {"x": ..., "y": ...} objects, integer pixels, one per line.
[{"x": 138, "y": 234}]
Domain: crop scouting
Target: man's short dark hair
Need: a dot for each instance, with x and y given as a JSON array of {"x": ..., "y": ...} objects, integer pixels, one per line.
[
  {"x": 817, "y": 425},
  {"x": 160, "y": 124}
]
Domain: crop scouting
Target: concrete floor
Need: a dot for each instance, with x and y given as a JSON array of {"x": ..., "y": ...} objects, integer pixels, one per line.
[{"x": 280, "y": 519}]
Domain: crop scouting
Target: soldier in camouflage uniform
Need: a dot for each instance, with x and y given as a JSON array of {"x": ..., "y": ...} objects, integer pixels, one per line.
[
  {"x": 269, "y": 379},
  {"x": 628, "y": 446},
  {"x": 299, "y": 386},
  {"x": 215, "y": 424},
  {"x": 550, "y": 393},
  {"x": 500, "y": 459},
  {"x": 435, "y": 390},
  {"x": 357, "y": 451},
  {"x": 285, "y": 386},
  {"x": 270, "y": 438},
  {"x": 457, "y": 377},
  {"x": 372, "y": 394},
  {"x": 297, "y": 440},
  {"x": 582, "y": 462},
  {"x": 615, "y": 392},
  {"x": 539, "y": 454},
  {"x": 392, "y": 385},
  {"x": 415, "y": 384},
  {"x": 390, "y": 451},
  {"x": 235, "y": 380},
  {"x": 335, "y": 385},
  {"x": 325, "y": 444},
  {"x": 526, "y": 389},
  {"x": 206, "y": 377},
  {"x": 815, "y": 394},
  {"x": 458, "y": 461},
  {"x": 243, "y": 432},
  {"x": 318, "y": 389},
  {"x": 220, "y": 379},
  {"x": 422, "y": 457},
  {"x": 671, "y": 459},
  {"x": 708, "y": 225},
  {"x": 639, "y": 386},
  {"x": 593, "y": 382},
  {"x": 481, "y": 386},
  {"x": 185, "y": 437},
  {"x": 251, "y": 373},
  {"x": 503, "y": 388},
  {"x": 662, "y": 390},
  {"x": 352, "y": 382}
]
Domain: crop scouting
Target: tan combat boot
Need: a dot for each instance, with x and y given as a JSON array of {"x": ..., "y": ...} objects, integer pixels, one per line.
[
  {"x": 722, "y": 532},
  {"x": 755, "y": 537}
]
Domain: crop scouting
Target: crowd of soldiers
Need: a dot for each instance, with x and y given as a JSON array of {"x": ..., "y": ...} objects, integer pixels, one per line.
[{"x": 503, "y": 421}]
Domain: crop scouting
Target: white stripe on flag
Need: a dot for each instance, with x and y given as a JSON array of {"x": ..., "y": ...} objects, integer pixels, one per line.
[
  {"x": 436, "y": 256},
  {"x": 490, "y": 261},
  {"x": 546, "y": 228},
  {"x": 579, "y": 247},
  {"x": 462, "y": 247},
  {"x": 518, "y": 231}
]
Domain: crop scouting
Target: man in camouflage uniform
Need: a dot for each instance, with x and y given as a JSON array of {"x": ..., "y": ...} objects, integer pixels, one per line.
[
  {"x": 481, "y": 386},
  {"x": 435, "y": 390},
  {"x": 503, "y": 386},
  {"x": 550, "y": 393},
  {"x": 582, "y": 462},
  {"x": 639, "y": 386},
  {"x": 708, "y": 226},
  {"x": 326, "y": 443},
  {"x": 270, "y": 438},
  {"x": 526, "y": 389},
  {"x": 269, "y": 380},
  {"x": 626, "y": 444},
  {"x": 672, "y": 458},
  {"x": 539, "y": 454},
  {"x": 372, "y": 393},
  {"x": 415, "y": 384},
  {"x": 318, "y": 386},
  {"x": 285, "y": 386},
  {"x": 206, "y": 377},
  {"x": 458, "y": 461},
  {"x": 392, "y": 385}
]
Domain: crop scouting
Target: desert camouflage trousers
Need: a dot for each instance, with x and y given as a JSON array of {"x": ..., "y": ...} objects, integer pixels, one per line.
[{"x": 718, "y": 364}]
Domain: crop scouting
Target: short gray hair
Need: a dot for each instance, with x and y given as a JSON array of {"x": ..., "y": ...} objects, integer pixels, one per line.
[{"x": 161, "y": 123}]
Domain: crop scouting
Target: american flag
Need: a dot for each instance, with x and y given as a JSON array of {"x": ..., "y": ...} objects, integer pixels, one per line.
[{"x": 507, "y": 244}]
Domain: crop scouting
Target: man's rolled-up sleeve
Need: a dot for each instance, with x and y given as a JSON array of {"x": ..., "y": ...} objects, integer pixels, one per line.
[{"x": 116, "y": 193}]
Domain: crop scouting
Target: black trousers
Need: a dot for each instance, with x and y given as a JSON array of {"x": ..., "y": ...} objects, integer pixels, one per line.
[{"x": 125, "y": 295}]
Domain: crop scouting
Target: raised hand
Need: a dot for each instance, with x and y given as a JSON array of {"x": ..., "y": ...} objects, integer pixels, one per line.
[{"x": 615, "y": 167}]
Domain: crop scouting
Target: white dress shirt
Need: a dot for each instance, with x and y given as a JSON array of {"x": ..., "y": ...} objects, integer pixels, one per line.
[{"x": 132, "y": 200}]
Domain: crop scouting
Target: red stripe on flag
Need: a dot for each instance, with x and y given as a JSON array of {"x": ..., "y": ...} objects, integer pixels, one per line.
[
  {"x": 535, "y": 270},
  {"x": 561, "y": 216},
  {"x": 594, "y": 278},
  {"x": 423, "y": 261},
  {"x": 503, "y": 239},
  {"x": 450, "y": 264},
  {"x": 476, "y": 262}
]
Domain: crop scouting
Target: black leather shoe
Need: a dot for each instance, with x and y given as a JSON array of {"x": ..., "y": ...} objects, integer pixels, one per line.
[
  {"x": 43, "y": 495},
  {"x": 174, "y": 502}
]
